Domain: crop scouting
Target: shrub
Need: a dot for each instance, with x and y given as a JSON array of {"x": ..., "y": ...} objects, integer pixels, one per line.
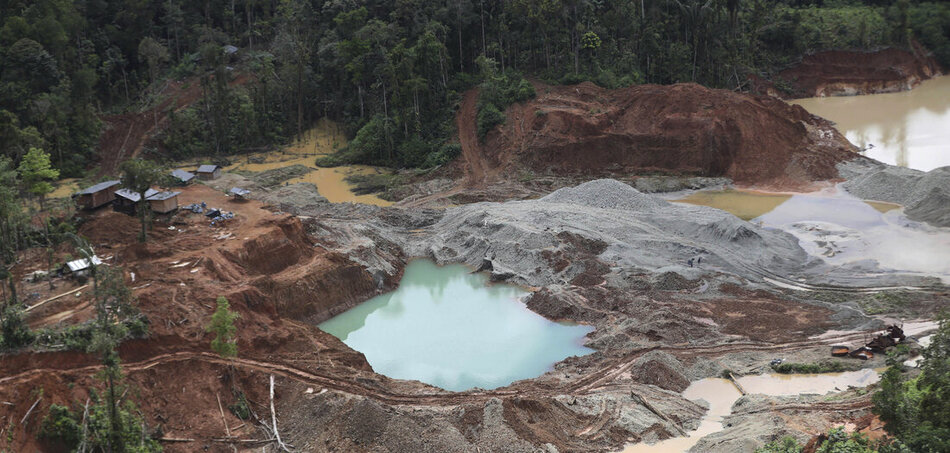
[
  {"x": 61, "y": 425},
  {"x": 240, "y": 409},
  {"x": 812, "y": 368},
  {"x": 444, "y": 155},
  {"x": 14, "y": 330},
  {"x": 488, "y": 117}
]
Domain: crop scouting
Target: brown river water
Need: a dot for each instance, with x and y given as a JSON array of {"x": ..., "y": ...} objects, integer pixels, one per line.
[{"x": 909, "y": 128}]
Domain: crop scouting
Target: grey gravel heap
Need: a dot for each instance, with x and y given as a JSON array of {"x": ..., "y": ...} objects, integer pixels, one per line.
[
  {"x": 925, "y": 195},
  {"x": 639, "y": 231}
]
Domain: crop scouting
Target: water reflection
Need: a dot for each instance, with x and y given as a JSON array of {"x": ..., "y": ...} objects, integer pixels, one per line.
[
  {"x": 908, "y": 128},
  {"x": 448, "y": 327},
  {"x": 841, "y": 228}
]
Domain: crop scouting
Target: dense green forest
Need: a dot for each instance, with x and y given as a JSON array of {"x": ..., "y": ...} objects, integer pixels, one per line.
[{"x": 391, "y": 71}]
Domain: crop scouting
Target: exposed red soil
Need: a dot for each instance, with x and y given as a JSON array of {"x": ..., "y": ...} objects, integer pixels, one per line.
[
  {"x": 678, "y": 129},
  {"x": 124, "y": 135},
  {"x": 281, "y": 281},
  {"x": 268, "y": 268},
  {"x": 847, "y": 73}
]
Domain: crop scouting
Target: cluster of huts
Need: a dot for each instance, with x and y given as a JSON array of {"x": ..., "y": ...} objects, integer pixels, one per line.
[{"x": 126, "y": 200}]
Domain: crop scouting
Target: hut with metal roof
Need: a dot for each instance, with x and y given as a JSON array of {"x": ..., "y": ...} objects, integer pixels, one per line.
[
  {"x": 209, "y": 172},
  {"x": 163, "y": 202},
  {"x": 81, "y": 267},
  {"x": 126, "y": 200},
  {"x": 183, "y": 177},
  {"x": 239, "y": 193},
  {"x": 98, "y": 195}
]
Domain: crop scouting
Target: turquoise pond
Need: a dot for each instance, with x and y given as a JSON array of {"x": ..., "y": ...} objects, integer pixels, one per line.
[{"x": 449, "y": 327}]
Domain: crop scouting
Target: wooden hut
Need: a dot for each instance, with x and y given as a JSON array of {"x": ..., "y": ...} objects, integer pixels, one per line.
[
  {"x": 164, "y": 202},
  {"x": 209, "y": 172},
  {"x": 183, "y": 177},
  {"x": 239, "y": 193},
  {"x": 126, "y": 200},
  {"x": 80, "y": 267},
  {"x": 97, "y": 195}
]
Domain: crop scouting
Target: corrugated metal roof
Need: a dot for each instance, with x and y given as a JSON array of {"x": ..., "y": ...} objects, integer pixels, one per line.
[
  {"x": 183, "y": 175},
  {"x": 162, "y": 196},
  {"x": 81, "y": 264},
  {"x": 101, "y": 186},
  {"x": 134, "y": 196},
  {"x": 240, "y": 191},
  {"x": 207, "y": 168}
]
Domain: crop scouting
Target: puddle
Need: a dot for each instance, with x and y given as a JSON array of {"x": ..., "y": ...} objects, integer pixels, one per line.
[
  {"x": 806, "y": 384},
  {"x": 448, "y": 327},
  {"x": 839, "y": 228},
  {"x": 908, "y": 129},
  {"x": 319, "y": 141},
  {"x": 744, "y": 204},
  {"x": 721, "y": 394}
]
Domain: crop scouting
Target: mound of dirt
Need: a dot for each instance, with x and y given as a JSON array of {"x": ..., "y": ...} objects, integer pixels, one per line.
[
  {"x": 849, "y": 73},
  {"x": 687, "y": 129},
  {"x": 924, "y": 194},
  {"x": 934, "y": 208}
]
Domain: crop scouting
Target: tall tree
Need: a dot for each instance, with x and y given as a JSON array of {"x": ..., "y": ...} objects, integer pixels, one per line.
[
  {"x": 139, "y": 175},
  {"x": 36, "y": 173}
]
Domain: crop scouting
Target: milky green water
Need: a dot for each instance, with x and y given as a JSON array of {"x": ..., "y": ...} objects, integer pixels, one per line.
[{"x": 448, "y": 327}]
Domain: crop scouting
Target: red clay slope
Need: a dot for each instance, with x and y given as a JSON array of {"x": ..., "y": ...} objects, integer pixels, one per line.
[{"x": 585, "y": 130}]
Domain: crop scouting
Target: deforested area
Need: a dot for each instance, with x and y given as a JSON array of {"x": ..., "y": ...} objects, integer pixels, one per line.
[{"x": 474, "y": 226}]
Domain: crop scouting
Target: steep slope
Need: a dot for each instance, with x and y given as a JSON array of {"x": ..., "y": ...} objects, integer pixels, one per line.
[{"x": 584, "y": 130}]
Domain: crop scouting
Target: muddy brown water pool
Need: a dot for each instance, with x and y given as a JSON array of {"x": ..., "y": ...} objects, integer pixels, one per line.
[
  {"x": 319, "y": 141},
  {"x": 909, "y": 128},
  {"x": 721, "y": 394}
]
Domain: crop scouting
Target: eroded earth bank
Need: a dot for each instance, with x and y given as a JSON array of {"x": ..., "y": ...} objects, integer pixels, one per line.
[{"x": 549, "y": 201}]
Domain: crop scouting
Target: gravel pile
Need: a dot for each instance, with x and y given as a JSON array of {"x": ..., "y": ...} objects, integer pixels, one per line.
[
  {"x": 934, "y": 208},
  {"x": 523, "y": 239},
  {"x": 606, "y": 194},
  {"x": 661, "y": 184},
  {"x": 924, "y": 195}
]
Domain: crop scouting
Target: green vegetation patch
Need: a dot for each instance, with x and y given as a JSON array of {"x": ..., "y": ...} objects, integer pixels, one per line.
[{"x": 814, "y": 368}]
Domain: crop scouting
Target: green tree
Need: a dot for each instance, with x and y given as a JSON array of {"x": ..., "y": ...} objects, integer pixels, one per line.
[
  {"x": 12, "y": 225},
  {"x": 36, "y": 172},
  {"x": 154, "y": 54},
  {"x": 222, "y": 324},
  {"x": 917, "y": 410},
  {"x": 139, "y": 175}
]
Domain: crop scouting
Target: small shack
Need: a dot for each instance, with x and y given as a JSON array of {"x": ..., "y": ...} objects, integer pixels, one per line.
[
  {"x": 98, "y": 195},
  {"x": 126, "y": 200},
  {"x": 164, "y": 202},
  {"x": 183, "y": 177},
  {"x": 209, "y": 172},
  {"x": 80, "y": 267},
  {"x": 239, "y": 193}
]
